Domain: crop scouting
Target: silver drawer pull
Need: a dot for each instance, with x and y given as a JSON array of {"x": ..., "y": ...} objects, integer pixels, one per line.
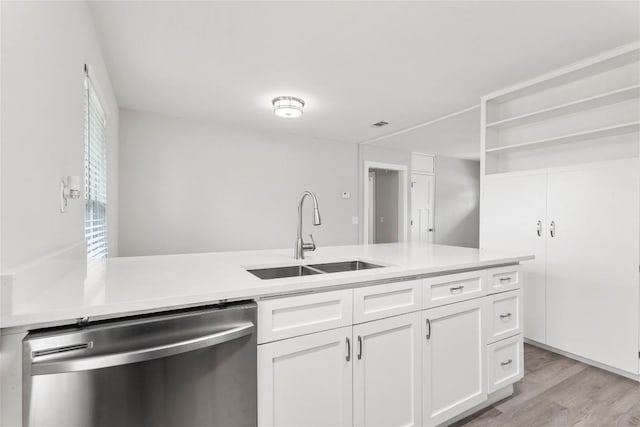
[
  {"x": 505, "y": 279},
  {"x": 507, "y": 363},
  {"x": 456, "y": 288},
  {"x": 505, "y": 316}
]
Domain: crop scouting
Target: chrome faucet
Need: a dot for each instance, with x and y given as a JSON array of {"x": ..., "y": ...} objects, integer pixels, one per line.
[{"x": 301, "y": 246}]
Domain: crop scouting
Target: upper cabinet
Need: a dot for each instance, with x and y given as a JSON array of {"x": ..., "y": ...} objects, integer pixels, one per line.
[
  {"x": 583, "y": 113},
  {"x": 422, "y": 163}
]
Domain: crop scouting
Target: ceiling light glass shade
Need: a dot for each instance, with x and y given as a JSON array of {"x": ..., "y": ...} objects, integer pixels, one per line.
[{"x": 287, "y": 106}]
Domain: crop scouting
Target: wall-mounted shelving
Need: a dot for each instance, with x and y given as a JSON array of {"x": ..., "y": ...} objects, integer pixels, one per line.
[
  {"x": 547, "y": 120},
  {"x": 588, "y": 103},
  {"x": 603, "y": 132}
]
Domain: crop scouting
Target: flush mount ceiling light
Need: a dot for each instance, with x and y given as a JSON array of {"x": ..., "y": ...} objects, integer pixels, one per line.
[{"x": 287, "y": 106}]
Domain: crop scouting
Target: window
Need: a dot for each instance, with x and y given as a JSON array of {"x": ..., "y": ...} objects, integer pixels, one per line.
[{"x": 95, "y": 173}]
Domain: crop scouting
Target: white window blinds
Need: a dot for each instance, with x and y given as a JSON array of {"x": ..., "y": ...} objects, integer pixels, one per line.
[{"x": 95, "y": 174}]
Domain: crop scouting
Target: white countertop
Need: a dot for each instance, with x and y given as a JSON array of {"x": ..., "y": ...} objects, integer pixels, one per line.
[{"x": 118, "y": 286}]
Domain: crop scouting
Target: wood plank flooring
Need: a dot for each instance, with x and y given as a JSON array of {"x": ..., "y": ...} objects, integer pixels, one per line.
[{"x": 561, "y": 392}]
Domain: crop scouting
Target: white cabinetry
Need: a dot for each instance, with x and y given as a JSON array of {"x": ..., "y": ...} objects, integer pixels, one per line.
[
  {"x": 514, "y": 217},
  {"x": 453, "y": 360},
  {"x": 560, "y": 179},
  {"x": 303, "y": 314},
  {"x": 453, "y": 288},
  {"x": 387, "y": 369},
  {"x": 505, "y": 362},
  {"x": 413, "y": 353},
  {"x": 583, "y": 287},
  {"x": 505, "y": 312},
  {"x": 306, "y": 381},
  {"x": 592, "y": 263}
]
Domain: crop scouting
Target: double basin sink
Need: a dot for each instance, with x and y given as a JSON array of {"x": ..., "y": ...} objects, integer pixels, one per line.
[{"x": 308, "y": 270}]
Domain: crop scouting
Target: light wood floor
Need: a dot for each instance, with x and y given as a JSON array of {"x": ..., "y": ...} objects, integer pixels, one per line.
[{"x": 557, "y": 391}]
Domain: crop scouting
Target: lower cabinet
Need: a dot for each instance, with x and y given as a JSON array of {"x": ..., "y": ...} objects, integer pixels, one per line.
[
  {"x": 453, "y": 356},
  {"x": 417, "y": 368},
  {"x": 306, "y": 381},
  {"x": 387, "y": 380}
]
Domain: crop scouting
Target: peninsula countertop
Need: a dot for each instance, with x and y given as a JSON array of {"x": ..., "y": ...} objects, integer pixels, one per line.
[{"x": 119, "y": 286}]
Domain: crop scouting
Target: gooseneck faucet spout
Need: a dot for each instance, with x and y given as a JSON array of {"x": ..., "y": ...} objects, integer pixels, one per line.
[{"x": 301, "y": 246}]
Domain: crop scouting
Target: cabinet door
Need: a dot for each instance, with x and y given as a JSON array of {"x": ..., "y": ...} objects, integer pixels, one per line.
[
  {"x": 306, "y": 381},
  {"x": 592, "y": 264},
  {"x": 387, "y": 372},
  {"x": 453, "y": 360},
  {"x": 511, "y": 209}
]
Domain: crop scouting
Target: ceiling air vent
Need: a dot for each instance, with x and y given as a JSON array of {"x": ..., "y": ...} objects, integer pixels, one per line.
[{"x": 379, "y": 124}]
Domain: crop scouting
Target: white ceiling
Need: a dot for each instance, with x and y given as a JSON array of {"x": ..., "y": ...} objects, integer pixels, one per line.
[
  {"x": 455, "y": 136},
  {"x": 354, "y": 63}
]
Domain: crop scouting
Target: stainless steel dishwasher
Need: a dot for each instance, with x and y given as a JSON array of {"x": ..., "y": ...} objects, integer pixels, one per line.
[{"x": 184, "y": 368}]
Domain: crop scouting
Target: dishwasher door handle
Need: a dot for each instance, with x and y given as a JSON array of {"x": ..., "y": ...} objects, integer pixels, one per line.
[{"x": 87, "y": 363}]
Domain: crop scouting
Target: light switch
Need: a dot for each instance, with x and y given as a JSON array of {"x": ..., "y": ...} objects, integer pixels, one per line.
[
  {"x": 346, "y": 195},
  {"x": 354, "y": 220}
]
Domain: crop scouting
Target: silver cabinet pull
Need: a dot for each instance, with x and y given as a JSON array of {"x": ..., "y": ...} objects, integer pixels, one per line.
[
  {"x": 428, "y": 329},
  {"x": 456, "y": 288},
  {"x": 359, "y": 347},
  {"x": 507, "y": 363},
  {"x": 348, "y": 349},
  {"x": 539, "y": 228},
  {"x": 505, "y": 316},
  {"x": 552, "y": 229},
  {"x": 505, "y": 279}
]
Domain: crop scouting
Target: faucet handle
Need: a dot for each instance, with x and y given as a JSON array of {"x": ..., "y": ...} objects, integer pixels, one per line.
[{"x": 313, "y": 242}]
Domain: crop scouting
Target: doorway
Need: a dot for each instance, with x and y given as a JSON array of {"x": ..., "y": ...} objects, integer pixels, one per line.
[{"x": 385, "y": 204}]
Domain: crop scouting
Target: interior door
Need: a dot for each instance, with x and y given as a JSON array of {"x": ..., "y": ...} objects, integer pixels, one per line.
[
  {"x": 513, "y": 218},
  {"x": 453, "y": 355},
  {"x": 387, "y": 372},
  {"x": 306, "y": 381},
  {"x": 592, "y": 264},
  {"x": 422, "y": 208}
]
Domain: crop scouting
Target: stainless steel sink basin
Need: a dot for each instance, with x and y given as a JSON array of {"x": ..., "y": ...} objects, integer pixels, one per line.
[
  {"x": 336, "y": 267},
  {"x": 307, "y": 270},
  {"x": 282, "y": 272}
]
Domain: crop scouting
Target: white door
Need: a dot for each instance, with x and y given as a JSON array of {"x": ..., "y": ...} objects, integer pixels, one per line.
[
  {"x": 453, "y": 360},
  {"x": 306, "y": 381},
  {"x": 422, "y": 208},
  {"x": 513, "y": 218},
  {"x": 387, "y": 372},
  {"x": 592, "y": 263}
]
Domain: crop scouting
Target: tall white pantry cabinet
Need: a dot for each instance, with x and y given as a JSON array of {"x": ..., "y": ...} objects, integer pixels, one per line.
[{"x": 561, "y": 179}]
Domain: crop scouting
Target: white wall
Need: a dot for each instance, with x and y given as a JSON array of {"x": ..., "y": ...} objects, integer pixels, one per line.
[
  {"x": 44, "y": 48},
  {"x": 193, "y": 186},
  {"x": 457, "y": 202}
]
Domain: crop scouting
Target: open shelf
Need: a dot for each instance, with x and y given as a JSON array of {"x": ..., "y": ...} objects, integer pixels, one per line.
[
  {"x": 599, "y": 64},
  {"x": 601, "y": 100},
  {"x": 572, "y": 137}
]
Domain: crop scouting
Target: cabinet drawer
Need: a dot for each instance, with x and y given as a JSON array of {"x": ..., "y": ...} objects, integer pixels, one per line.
[
  {"x": 377, "y": 302},
  {"x": 505, "y": 362},
  {"x": 505, "y": 315},
  {"x": 452, "y": 288},
  {"x": 504, "y": 278},
  {"x": 298, "y": 315}
]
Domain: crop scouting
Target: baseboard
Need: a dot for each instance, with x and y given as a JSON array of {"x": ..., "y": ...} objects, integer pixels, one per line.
[
  {"x": 494, "y": 397},
  {"x": 584, "y": 360}
]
